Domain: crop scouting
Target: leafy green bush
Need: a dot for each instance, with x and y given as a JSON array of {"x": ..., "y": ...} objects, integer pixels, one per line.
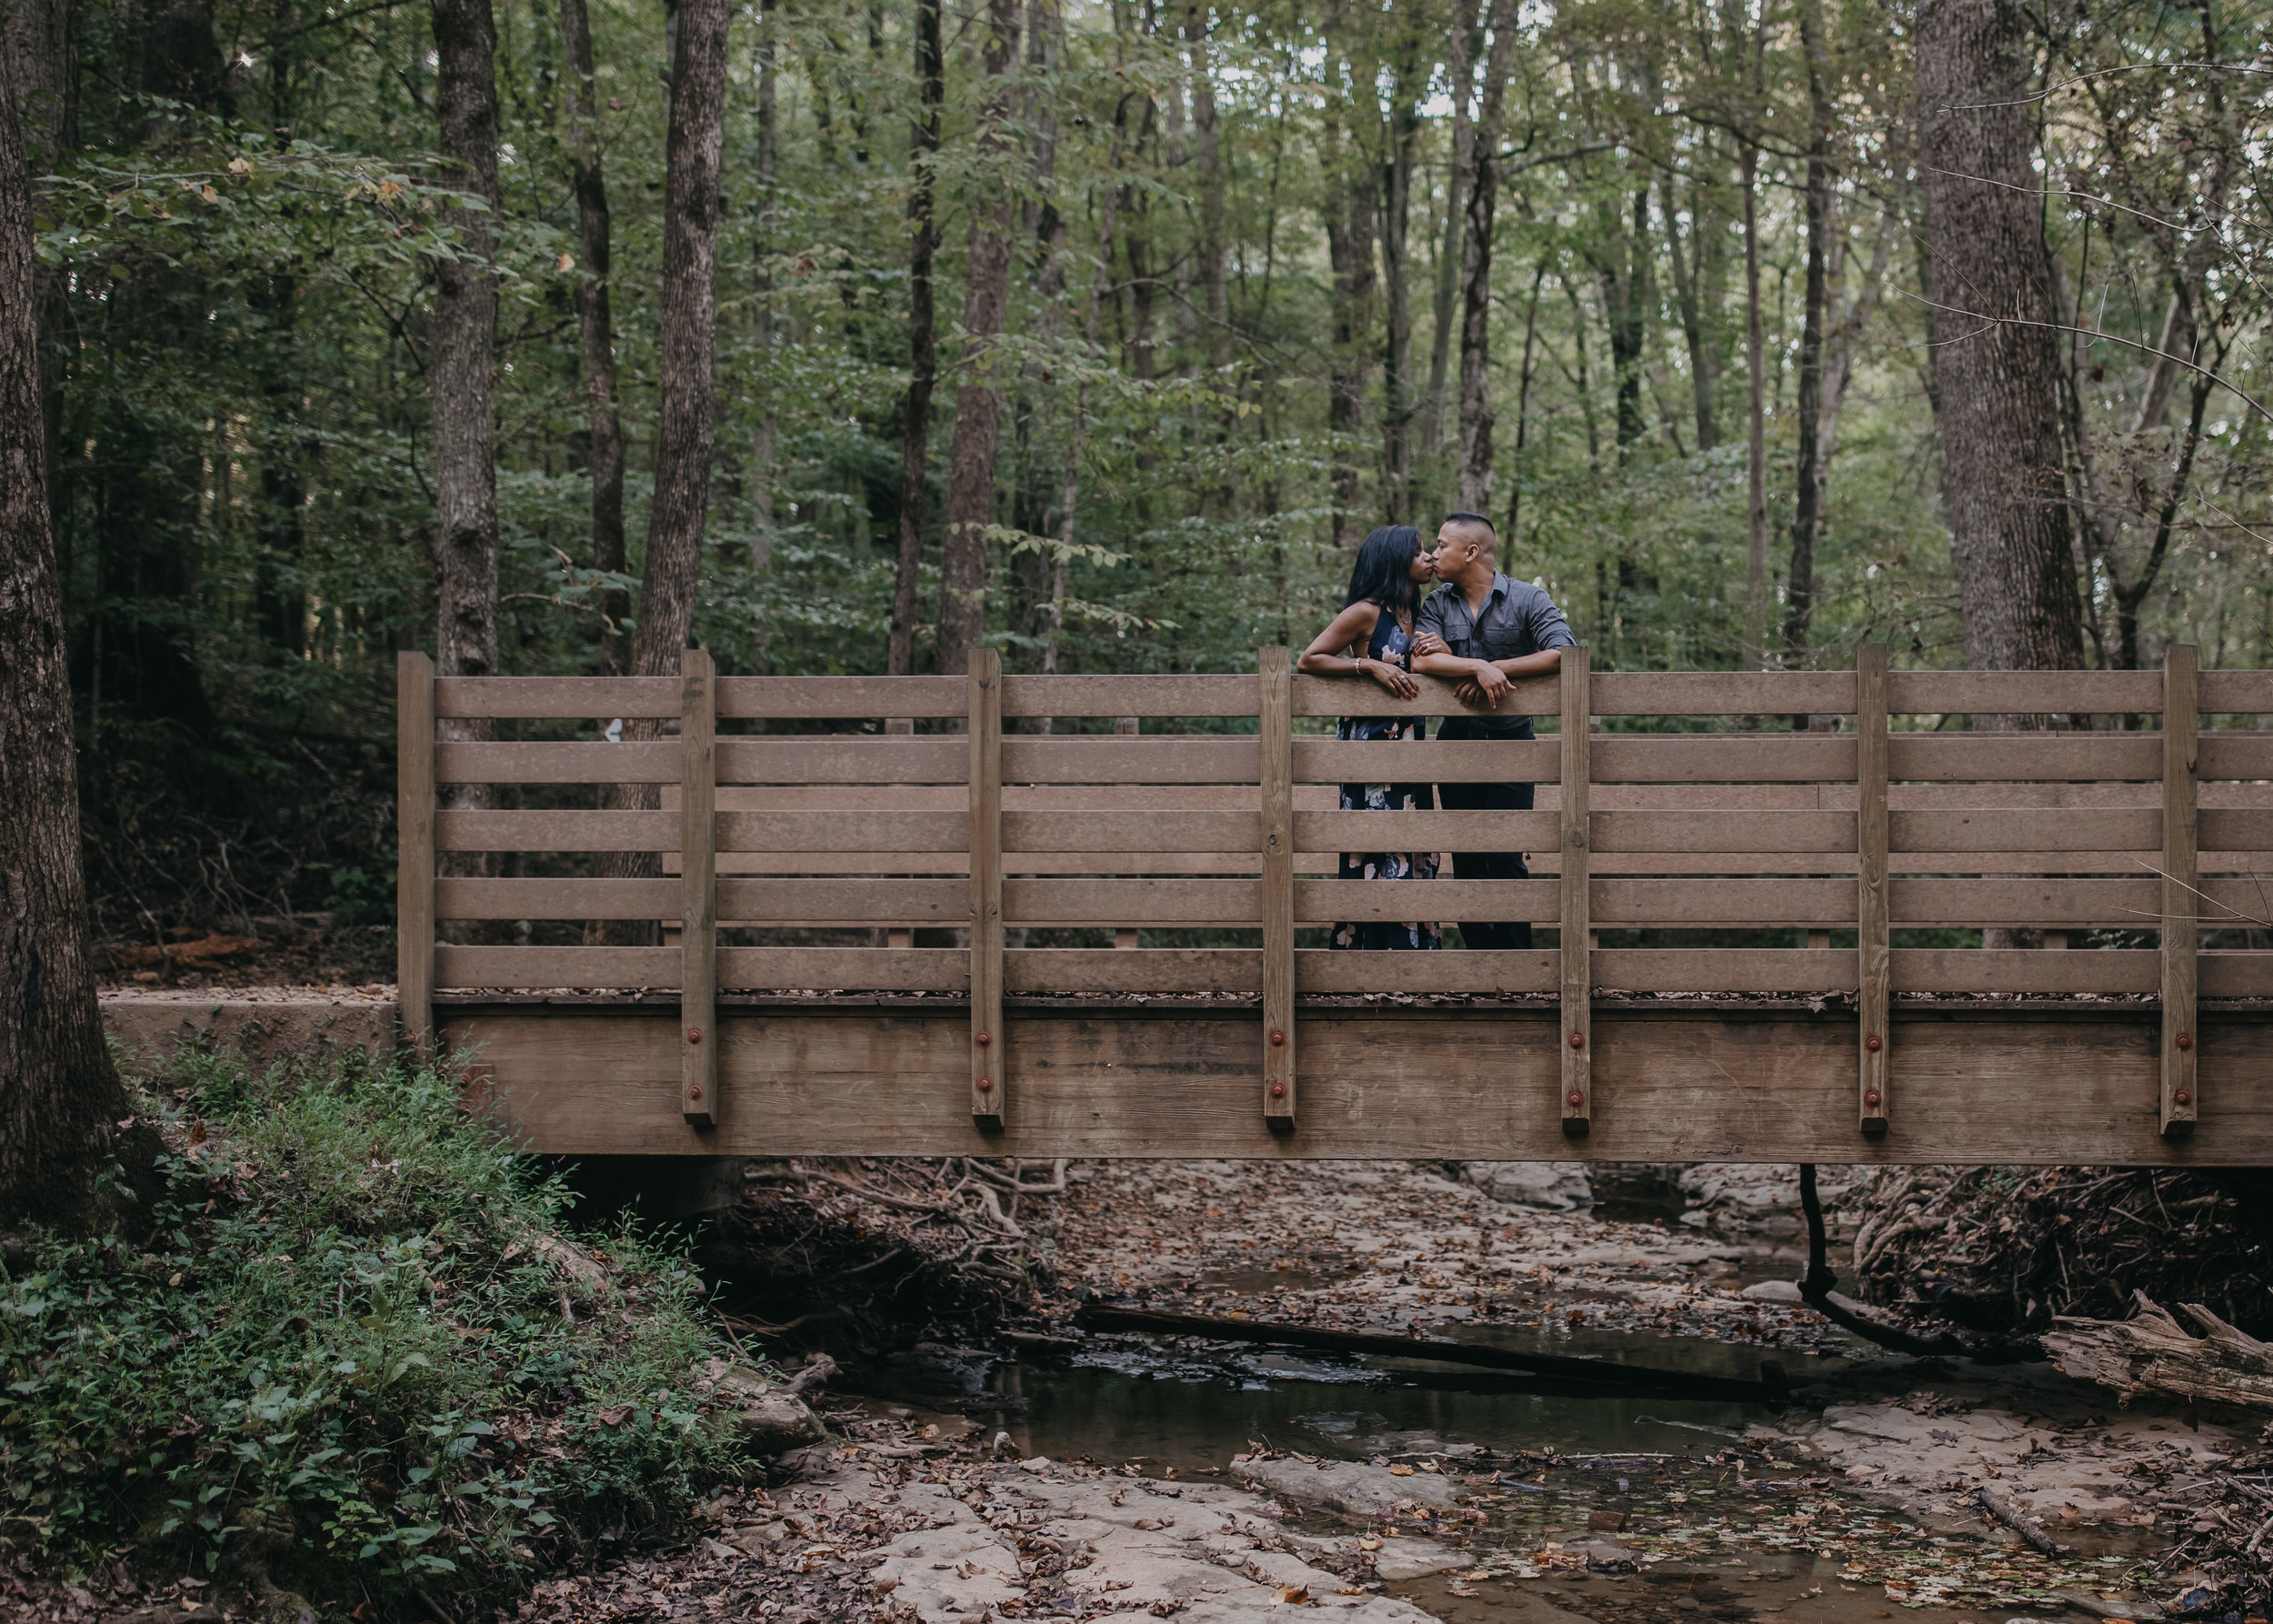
[{"x": 349, "y": 1346}]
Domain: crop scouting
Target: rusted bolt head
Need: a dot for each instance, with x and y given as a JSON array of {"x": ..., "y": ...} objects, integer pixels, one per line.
[
  {"x": 1278, "y": 1038},
  {"x": 1278, "y": 1090},
  {"x": 1874, "y": 1043},
  {"x": 1579, "y": 1040},
  {"x": 1574, "y": 1099},
  {"x": 986, "y": 1085},
  {"x": 2182, "y": 1097},
  {"x": 694, "y": 1033},
  {"x": 984, "y": 1038},
  {"x": 695, "y": 1091},
  {"x": 2184, "y": 1041},
  {"x": 1870, "y": 1096}
]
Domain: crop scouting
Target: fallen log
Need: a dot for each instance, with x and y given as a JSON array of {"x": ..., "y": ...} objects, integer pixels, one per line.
[
  {"x": 1602, "y": 1375},
  {"x": 2007, "y": 1511},
  {"x": 2151, "y": 1352}
]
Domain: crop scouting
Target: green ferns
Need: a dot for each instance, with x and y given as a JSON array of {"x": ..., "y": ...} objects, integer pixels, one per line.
[{"x": 349, "y": 1346}]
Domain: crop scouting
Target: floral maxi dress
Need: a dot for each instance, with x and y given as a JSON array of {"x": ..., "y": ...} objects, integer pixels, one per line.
[{"x": 1391, "y": 644}]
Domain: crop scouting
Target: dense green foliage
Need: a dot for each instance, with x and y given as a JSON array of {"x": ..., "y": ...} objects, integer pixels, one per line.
[
  {"x": 338, "y": 1355},
  {"x": 246, "y": 496}
]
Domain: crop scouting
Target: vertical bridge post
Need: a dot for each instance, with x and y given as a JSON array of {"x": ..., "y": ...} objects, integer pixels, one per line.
[
  {"x": 1875, "y": 959},
  {"x": 1126, "y": 937},
  {"x": 2181, "y": 902},
  {"x": 1577, "y": 915},
  {"x": 1277, "y": 719},
  {"x": 989, "y": 1070},
  {"x": 699, "y": 890},
  {"x": 414, "y": 847}
]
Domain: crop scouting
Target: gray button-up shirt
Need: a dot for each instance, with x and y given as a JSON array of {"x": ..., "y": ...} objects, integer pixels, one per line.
[{"x": 1518, "y": 618}]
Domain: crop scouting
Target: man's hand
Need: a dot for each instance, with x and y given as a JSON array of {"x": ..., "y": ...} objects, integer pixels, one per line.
[{"x": 1487, "y": 683}]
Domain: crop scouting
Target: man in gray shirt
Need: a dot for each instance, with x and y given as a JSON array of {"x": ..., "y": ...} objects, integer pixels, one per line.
[{"x": 1480, "y": 628}]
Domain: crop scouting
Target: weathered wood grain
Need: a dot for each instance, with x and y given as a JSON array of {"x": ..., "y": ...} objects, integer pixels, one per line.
[
  {"x": 699, "y": 1099},
  {"x": 2182, "y": 909},
  {"x": 1277, "y": 828},
  {"x": 414, "y": 848}
]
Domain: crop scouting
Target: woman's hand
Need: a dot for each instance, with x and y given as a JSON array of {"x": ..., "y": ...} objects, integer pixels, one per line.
[
  {"x": 1429, "y": 643},
  {"x": 1397, "y": 680}
]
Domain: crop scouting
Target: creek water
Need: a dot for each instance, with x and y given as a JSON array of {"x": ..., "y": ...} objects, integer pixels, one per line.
[{"x": 1794, "y": 1548}]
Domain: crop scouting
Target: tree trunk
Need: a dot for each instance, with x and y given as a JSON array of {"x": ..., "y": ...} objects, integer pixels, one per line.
[
  {"x": 1755, "y": 420},
  {"x": 1808, "y": 505},
  {"x": 1523, "y": 399},
  {"x": 686, "y": 419},
  {"x": 762, "y": 440},
  {"x": 1461, "y": 70},
  {"x": 923, "y": 342},
  {"x": 44, "y": 39},
  {"x": 1349, "y": 253},
  {"x": 1689, "y": 293},
  {"x": 1621, "y": 262},
  {"x": 1482, "y": 191},
  {"x": 1997, "y": 379},
  {"x": 463, "y": 349},
  {"x": 970, "y": 507},
  {"x": 1398, "y": 494},
  {"x": 60, "y": 1099},
  {"x": 597, "y": 321}
]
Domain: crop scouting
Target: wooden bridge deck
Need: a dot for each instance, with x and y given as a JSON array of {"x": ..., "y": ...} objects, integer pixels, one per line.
[{"x": 809, "y": 851}]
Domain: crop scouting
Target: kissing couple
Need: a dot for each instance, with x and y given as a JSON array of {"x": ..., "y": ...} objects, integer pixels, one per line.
[{"x": 1447, "y": 610}]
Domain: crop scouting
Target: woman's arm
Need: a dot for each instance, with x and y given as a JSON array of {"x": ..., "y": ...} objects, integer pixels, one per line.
[{"x": 1353, "y": 624}]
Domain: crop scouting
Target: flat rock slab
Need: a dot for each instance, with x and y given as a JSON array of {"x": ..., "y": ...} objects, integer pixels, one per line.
[
  {"x": 1205, "y": 1550},
  {"x": 1350, "y": 1487}
]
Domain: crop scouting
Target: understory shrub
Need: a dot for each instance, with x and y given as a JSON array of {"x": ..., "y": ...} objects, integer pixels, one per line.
[{"x": 349, "y": 1351}]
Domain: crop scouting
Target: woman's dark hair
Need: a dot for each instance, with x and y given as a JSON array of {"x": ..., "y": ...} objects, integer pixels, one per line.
[{"x": 1384, "y": 571}]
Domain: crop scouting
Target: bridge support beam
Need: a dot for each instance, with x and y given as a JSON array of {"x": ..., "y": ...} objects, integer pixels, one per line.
[{"x": 2182, "y": 900}]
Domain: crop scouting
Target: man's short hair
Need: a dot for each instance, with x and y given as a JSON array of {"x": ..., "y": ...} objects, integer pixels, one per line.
[{"x": 1473, "y": 526}]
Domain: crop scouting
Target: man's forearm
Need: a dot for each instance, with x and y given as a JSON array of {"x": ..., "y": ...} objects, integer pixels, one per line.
[
  {"x": 1446, "y": 664},
  {"x": 1533, "y": 664}
]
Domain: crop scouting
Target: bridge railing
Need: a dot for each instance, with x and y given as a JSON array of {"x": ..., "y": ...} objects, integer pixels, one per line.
[{"x": 806, "y": 833}]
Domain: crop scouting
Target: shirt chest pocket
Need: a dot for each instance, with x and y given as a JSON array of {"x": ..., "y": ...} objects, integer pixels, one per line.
[{"x": 1501, "y": 636}]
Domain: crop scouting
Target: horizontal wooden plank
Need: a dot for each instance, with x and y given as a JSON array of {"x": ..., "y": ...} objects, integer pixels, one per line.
[
  {"x": 2021, "y": 903},
  {"x": 1133, "y": 832},
  {"x": 1726, "y": 833},
  {"x": 1706, "y": 757},
  {"x": 2005, "y": 829},
  {"x": 1031, "y": 970},
  {"x": 556, "y": 967},
  {"x": 459, "y": 898},
  {"x": 1441, "y": 901},
  {"x": 892, "y": 835},
  {"x": 2234, "y": 754},
  {"x": 1722, "y": 692},
  {"x": 1975, "y": 757},
  {"x": 568, "y": 698},
  {"x": 829, "y": 969},
  {"x": 793, "y": 901},
  {"x": 556, "y": 831},
  {"x": 1136, "y": 695},
  {"x": 1629, "y": 903},
  {"x": 1425, "y": 831},
  {"x": 1485, "y": 972},
  {"x": 845, "y": 758},
  {"x": 1723, "y": 969},
  {"x": 2019, "y": 970},
  {"x": 2234, "y": 693},
  {"x": 844, "y": 698},
  {"x": 2022, "y": 693},
  {"x": 1238, "y": 903},
  {"x": 1379, "y": 1081},
  {"x": 1440, "y": 761},
  {"x": 2228, "y": 974},
  {"x": 2235, "y": 828},
  {"x": 1363, "y": 697},
  {"x": 648, "y": 761},
  {"x": 1157, "y": 758}
]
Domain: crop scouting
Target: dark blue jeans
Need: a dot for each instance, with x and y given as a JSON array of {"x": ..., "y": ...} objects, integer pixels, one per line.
[{"x": 1487, "y": 865}]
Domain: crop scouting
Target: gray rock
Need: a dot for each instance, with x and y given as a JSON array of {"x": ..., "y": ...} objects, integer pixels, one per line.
[
  {"x": 1772, "y": 1291},
  {"x": 1402, "y": 1559},
  {"x": 1347, "y": 1486},
  {"x": 768, "y": 1417},
  {"x": 1558, "y": 1185}
]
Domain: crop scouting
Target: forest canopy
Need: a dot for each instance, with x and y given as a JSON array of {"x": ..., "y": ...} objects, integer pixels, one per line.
[{"x": 1099, "y": 334}]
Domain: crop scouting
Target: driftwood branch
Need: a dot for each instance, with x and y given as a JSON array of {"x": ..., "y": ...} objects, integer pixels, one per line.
[
  {"x": 2006, "y": 1511},
  {"x": 2152, "y": 1352}
]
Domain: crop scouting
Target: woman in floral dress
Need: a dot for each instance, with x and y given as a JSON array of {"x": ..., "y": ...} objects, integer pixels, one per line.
[{"x": 1373, "y": 637}]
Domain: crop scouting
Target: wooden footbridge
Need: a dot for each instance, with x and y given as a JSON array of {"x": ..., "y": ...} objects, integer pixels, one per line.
[{"x": 902, "y": 915}]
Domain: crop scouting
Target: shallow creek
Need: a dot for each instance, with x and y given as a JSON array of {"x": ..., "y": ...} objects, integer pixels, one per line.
[{"x": 1544, "y": 1507}]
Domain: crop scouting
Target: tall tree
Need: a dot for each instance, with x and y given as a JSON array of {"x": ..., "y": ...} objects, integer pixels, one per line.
[
  {"x": 923, "y": 372},
  {"x": 44, "y": 40},
  {"x": 596, "y": 324},
  {"x": 1460, "y": 70},
  {"x": 970, "y": 506},
  {"x": 1482, "y": 191},
  {"x": 1996, "y": 368},
  {"x": 61, "y": 1110},
  {"x": 763, "y": 472},
  {"x": 1799, "y": 589},
  {"x": 462, "y": 347},
  {"x": 687, "y": 424},
  {"x": 1409, "y": 72}
]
